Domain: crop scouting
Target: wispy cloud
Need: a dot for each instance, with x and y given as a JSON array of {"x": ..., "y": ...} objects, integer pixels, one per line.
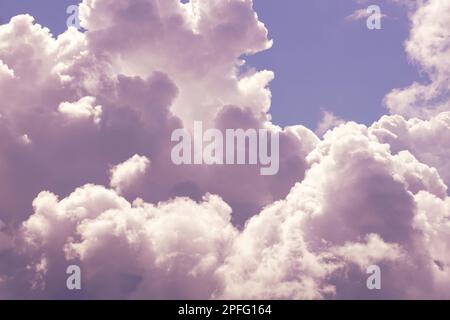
[{"x": 360, "y": 14}]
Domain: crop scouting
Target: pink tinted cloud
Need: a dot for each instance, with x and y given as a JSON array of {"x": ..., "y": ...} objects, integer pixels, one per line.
[{"x": 86, "y": 176}]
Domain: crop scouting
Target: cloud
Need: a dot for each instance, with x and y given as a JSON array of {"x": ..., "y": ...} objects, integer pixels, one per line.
[
  {"x": 315, "y": 243},
  {"x": 5, "y": 71},
  {"x": 201, "y": 50},
  {"x": 328, "y": 121},
  {"x": 364, "y": 254},
  {"x": 76, "y": 107},
  {"x": 360, "y": 14},
  {"x": 133, "y": 97},
  {"x": 125, "y": 174},
  {"x": 356, "y": 207},
  {"x": 82, "y": 109},
  {"x": 428, "y": 47},
  {"x": 427, "y": 140},
  {"x": 410, "y": 4},
  {"x": 131, "y": 250}
]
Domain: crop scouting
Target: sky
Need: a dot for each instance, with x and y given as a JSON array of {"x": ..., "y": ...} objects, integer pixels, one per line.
[
  {"x": 320, "y": 60},
  {"x": 113, "y": 141}
]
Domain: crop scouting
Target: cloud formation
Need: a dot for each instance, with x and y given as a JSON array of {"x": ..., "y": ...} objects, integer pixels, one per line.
[
  {"x": 318, "y": 242},
  {"x": 429, "y": 47},
  {"x": 82, "y": 109},
  {"x": 360, "y": 14},
  {"x": 125, "y": 174},
  {"x": 86, "y": 176}
]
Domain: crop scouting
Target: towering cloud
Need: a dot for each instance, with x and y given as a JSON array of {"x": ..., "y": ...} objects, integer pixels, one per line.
[
  {"x": 359, "y": 205},
  {"x": 86, "y": 176}
]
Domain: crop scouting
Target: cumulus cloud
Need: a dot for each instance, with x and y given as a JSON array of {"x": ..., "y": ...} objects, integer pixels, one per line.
[
  {"x": 427, "y": 140},
  {"x": 201, "y": 50},
  {"x": 133, "y": 97},
  {"x": 132, "y": 250},
  {"x": 76, "y": 107},
  {"x": 5, "y": 71},
  {"x": 366, "y": 253},
  {"x": 125, "y": 174},
  {"x": 318, "y": 242},
  {"x": 310, "y": 245},
  {"x": 428, "y": 46},
  {"x": 82, "y": 109}
]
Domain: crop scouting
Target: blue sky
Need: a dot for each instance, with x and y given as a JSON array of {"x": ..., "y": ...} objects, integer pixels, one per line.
[{"x": 320, "y": 60}]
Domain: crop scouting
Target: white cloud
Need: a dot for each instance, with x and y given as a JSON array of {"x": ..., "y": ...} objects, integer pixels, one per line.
[
  {"x": 5, "y": 71},
  {"x": 146, "y": 251},
  {"x": 361, "y": 195},
  {"x": 365, "y": 254},
  {"x": 354, "y": 208},
  {"x": 82, "y": 109},
  {"x": 360, "y": 14},
  {"x": 327, "y": 122},
  {"x": 427, "y": 140},
  {"x": 125, "y": 174},
  {"x": 429, "y": 47}
]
